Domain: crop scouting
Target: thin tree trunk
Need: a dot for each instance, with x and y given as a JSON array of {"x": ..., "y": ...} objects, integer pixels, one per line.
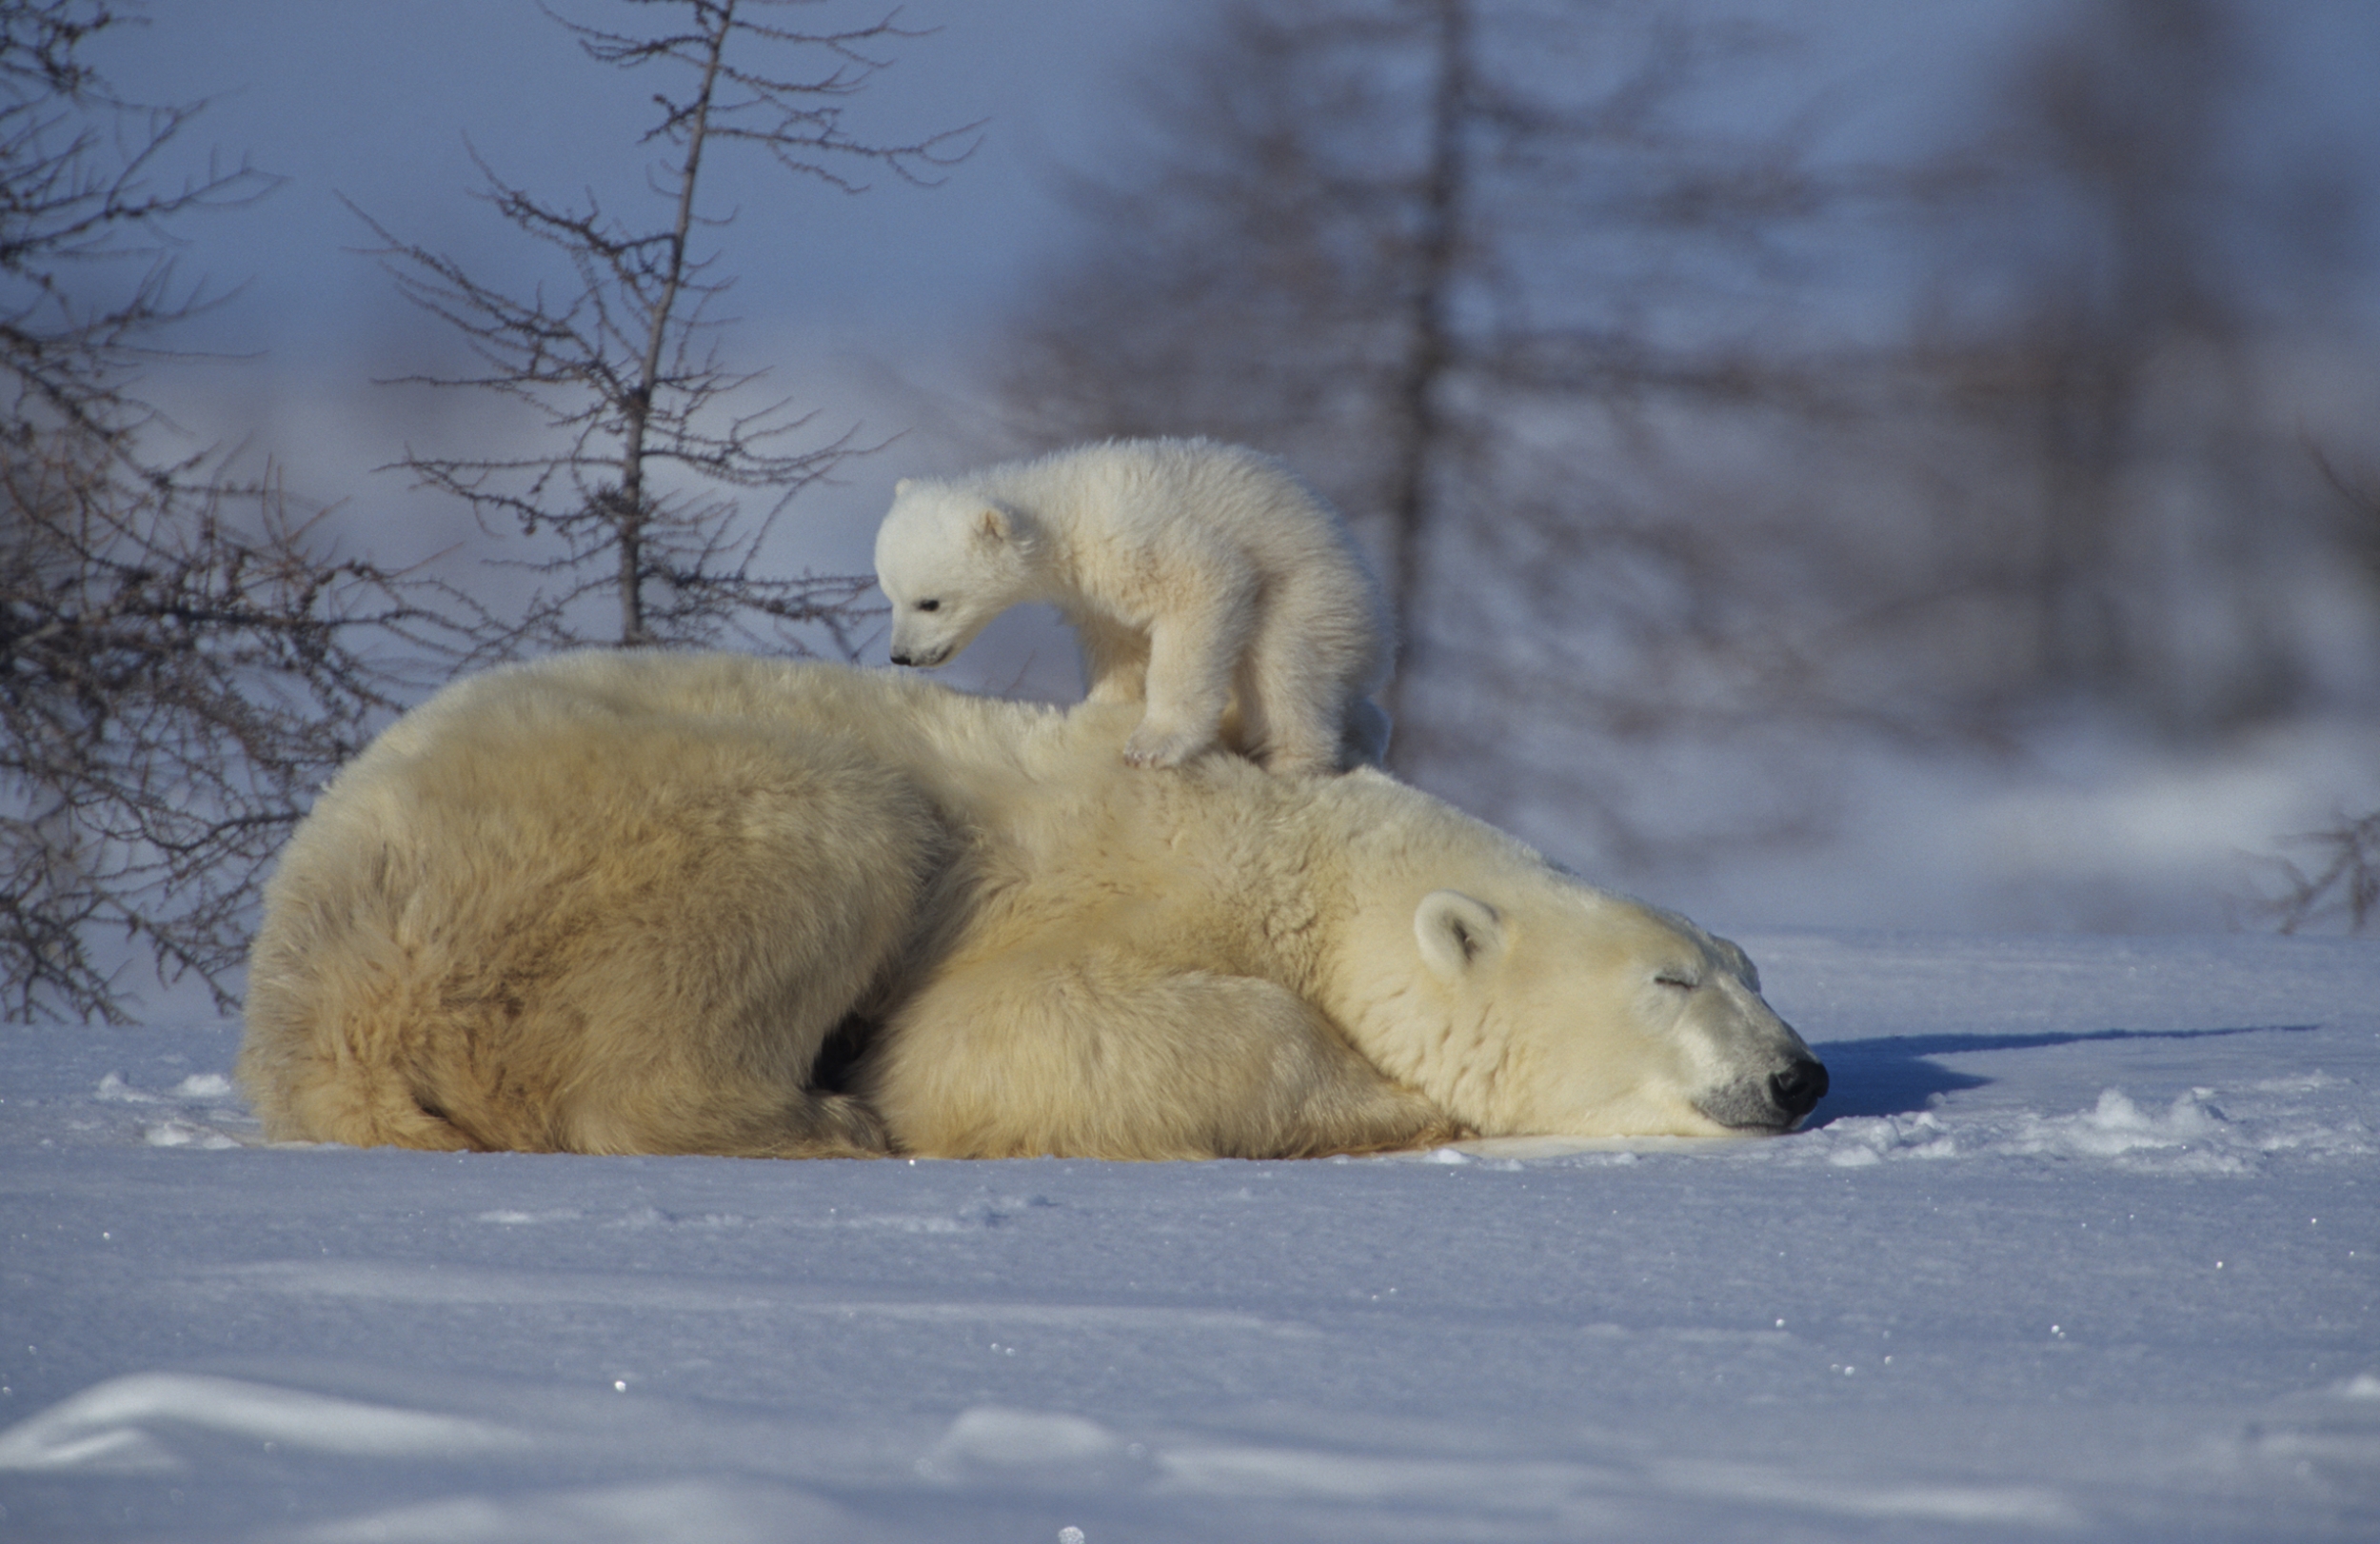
[
  {"x": 1418, "y": 425},
  {"x": 633, "y": 512}
]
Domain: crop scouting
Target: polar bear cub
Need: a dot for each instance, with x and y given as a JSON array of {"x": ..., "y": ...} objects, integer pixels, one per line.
[{"x": 1196, "y": 577}]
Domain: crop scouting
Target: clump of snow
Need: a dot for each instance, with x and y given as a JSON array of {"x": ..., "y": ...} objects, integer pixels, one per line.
[
  {"x": 996, "y": 1446},
  {"x": 2191, "y": 1135},
  {"x": 125, "y": 1426},
  {"x": 185, "y": 1134}
]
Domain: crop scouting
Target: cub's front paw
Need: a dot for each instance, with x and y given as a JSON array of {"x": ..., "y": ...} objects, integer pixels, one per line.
[{"x": 1158, "y": 747}]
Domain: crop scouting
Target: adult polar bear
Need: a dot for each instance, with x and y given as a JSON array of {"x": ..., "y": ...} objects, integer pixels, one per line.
[{"x": 618, "y": 902}]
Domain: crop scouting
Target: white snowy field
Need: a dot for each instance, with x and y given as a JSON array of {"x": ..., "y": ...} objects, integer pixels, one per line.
[{"x": 2084, "y": 1244}]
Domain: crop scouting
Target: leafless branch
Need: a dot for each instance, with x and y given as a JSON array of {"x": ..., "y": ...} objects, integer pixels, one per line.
[
  {"x": 2339, "y": 883},
  {"x": 618, "y": 362},
  {"x": 182, "y": 657},
  {"x": 180, "y": 667}
]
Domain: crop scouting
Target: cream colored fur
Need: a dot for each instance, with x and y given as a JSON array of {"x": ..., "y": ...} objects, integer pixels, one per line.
[
  {"x": 616, "y": 902},
  {"x": 1198, "y": 576}
]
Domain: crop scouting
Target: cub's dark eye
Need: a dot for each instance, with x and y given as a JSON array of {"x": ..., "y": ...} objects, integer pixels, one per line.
[
  {"x": 1681, "y": 982},
  {"x": 929, "y": 605}
]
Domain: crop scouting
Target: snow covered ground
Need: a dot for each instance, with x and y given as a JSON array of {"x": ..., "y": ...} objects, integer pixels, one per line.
[{"x": 2085, "y": 1243}]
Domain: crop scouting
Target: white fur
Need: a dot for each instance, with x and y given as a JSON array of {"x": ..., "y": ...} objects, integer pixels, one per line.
[
  {"x": 616, "y": 902},
  {"x": 1198, "y": 576}
]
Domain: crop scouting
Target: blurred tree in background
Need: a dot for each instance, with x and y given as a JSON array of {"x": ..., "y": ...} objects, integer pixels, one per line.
[
  {"x": 2340, "y": 881},
  {"x": 2122, "y": 278},
  {"x": 1665, "y": 427},
  {"x": 1466, "y": 263}
]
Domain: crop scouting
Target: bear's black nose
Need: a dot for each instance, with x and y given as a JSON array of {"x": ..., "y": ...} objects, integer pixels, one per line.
[
  {"x": 1799, "y": 1088},
  {"x": 900, "y": 658}
]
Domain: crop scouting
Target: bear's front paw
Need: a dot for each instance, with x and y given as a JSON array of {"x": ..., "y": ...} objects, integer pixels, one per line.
[{"x": 1158, "y": 747}]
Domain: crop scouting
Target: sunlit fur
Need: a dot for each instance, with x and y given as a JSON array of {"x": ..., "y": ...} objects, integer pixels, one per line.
[
  {"x": 1198, "y": 576},
  {"x": 616, "y": 901}
]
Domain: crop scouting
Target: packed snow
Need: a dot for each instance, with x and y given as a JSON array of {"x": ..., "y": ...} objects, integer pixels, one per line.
[{"x": 2084, "y": 1243}]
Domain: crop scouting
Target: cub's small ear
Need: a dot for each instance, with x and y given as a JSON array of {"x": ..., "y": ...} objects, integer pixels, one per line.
[
  {"x": 901, "y": 487},
  {"x": 993, "y": 525},
  {"x": 1457, "y": 933}
]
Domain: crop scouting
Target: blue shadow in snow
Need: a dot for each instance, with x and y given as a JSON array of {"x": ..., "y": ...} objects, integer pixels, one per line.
[{"x": 1894, "y": 1075}]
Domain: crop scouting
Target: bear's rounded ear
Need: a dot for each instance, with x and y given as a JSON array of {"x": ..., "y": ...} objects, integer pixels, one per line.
[
  {"x": 901, "y": 487},
  {"x": 1457, "y": 933},
  {"x": 993, "y": 527}
]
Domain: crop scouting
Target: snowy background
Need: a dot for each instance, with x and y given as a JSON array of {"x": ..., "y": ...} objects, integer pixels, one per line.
[{"x": 2084, "y": 1244}]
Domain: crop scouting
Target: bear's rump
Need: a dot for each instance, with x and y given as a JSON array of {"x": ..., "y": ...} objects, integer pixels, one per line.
[{"x": 579, "y": 935}]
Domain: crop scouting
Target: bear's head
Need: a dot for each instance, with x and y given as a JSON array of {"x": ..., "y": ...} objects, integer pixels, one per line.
[
  {"x": 1528, "y": 1003},
  {"x": 949, "y": 560}
]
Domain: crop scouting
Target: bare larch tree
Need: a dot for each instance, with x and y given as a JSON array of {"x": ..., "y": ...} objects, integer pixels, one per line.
[
  {"x": 180, "y": 661},
  {"x": 2339, "y": 880},
  {"x": 1680, "y": 451},
  {"x": 2109, "y": 326},
  {"x": 1461, "y": 262},
  {"x": 645, "y": 433}
]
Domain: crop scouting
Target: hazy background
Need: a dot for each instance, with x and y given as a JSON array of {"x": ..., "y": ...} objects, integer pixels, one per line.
[{"x": 1741, "y": 645}]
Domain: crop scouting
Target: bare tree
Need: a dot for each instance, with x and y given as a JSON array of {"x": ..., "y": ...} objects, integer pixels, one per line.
[
  {"x": 2340, "y": 881},
  {"x": 2105, "y": 325},
  {"x": 649, "y": 433},
  {"x": 1466, "y": 263},
  {"x": 1677, "y": 465},
  {"x": 181, "y": 662}
]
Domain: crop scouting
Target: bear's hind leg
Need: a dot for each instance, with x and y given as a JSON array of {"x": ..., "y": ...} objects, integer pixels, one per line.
[{"x": 1303, "y": 714}]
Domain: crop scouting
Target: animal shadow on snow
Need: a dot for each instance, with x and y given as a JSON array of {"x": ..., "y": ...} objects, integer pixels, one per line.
[{"x": 1897, "y": 1075}]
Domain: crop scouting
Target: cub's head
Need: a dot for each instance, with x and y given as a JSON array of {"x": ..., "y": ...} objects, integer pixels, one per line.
[
  {"x": 1531, "y": 1005},
  {"x": 949, "y": 562}
]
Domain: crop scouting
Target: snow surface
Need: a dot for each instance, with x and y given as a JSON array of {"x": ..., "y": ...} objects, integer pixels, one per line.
[{"x": 2083, "y": 1244}]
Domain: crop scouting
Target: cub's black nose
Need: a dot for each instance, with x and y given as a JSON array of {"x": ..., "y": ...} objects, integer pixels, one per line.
[
  {"x": 901, "y": 658},
  {"x": 1799, "y": 1088}
]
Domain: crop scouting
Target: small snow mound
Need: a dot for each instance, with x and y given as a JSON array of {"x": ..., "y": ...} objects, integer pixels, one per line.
[
  {"x": 2115, "y": 1124},
  {"x": 201, "y": 1087},
  {"x": 187, "y": 1134},
  {"x": 1861, "y": 1141},
  {"x": 111, "y": 1428},
  {"x": 508, "y": 1217},
  {"x": 998, "y": 1435},
  {"x": 676, "y": 1512},
  {"x": 2190, "y": 1133},
  {"x": 1039, "y": 1448},
  {"x": 112, "y": 1089},
  {"x": 2005, "y": 1505},
  {"x": 2361, "y": 1385}
]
